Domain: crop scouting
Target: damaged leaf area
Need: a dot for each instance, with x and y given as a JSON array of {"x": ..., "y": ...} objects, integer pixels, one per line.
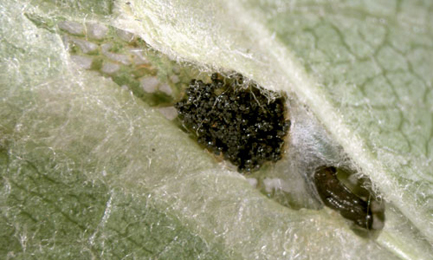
[
  {"x": 238, "y": 121},
  {"x": 96, "y": 163}
]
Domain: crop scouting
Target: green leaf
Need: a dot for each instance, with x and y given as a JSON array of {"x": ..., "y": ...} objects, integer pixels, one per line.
[{"x": 91, "y": 171}]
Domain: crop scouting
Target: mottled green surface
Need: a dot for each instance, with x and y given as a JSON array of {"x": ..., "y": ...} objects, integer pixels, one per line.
[
  {"x": 90, "y": 170},
  {"x": 375, "y": 61},
  {"x": 363, "y": 69}
]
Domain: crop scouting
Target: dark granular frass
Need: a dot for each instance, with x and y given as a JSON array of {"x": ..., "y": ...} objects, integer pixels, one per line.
[{"x": 240, "y": 122}]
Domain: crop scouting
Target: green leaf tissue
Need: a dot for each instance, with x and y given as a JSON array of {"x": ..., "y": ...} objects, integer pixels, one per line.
[{"x": 249, "y": 129}]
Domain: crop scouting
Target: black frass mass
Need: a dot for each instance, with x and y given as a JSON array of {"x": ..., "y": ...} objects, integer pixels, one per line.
[{"x": 235, "y": 119}]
